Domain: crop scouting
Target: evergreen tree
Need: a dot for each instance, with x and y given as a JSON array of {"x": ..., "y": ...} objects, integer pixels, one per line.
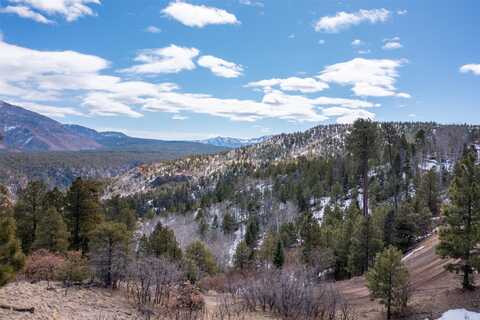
[
  {"x": 279, "y": 255},
  {"x": 28, "y": 212},
  {"x": 82, "y": 212},
  {"x": 241, "y": 258},
  {"x": 405, "y": 227},
  {"x": 202, "y": 257},
  {"x": 362, "y": 143},
  {"x": 162, "y": 243},
  {"x": 54, "y": 198},
  {"x": 388, "y": 280},
  {"x": 253, "y": 232},
  {"x": 429, "y": 191},
  {"x": 109, "y": 252},
  {"x": 52, "y": 232},
  {"x": 229, "y": 223},
  {"x": 460, "y": 236},
  {"x": 365, "y": 243},
  {"x": 11, "y": 257},
  {"x": 267, "y": 248}
]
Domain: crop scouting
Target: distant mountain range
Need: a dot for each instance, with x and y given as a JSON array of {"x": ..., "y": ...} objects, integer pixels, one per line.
[
  {"x": 24, "y": 130},
  {"x": 233, "y": 143}
]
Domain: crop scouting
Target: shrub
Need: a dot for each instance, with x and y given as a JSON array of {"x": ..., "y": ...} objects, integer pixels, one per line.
[
  {"x": 42, "y": 265},
  {"x": 75, "y": 269}
]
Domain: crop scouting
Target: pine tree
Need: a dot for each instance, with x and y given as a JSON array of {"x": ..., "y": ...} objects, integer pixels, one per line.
[
  {"x": 365, "y": 243},
  {"x": 202, "y": 257},
  {"x": 109, "y": 252},
  {"x": 241, "y": 258},
  {"x": 162, "y": 243},
  {"x": 54, "y": 198},
  {"x": 229, "y": 223},
  {"x": 279, "y": 255},
  {"x": 11, "y": 257},
  {"x": 460, "y": 236},
  {"x": 52, "y": 232},
  {"x": 388, "y": 280},
  {"x": 82, "y": 212},
  {"x": 253, "y": 231},
  {"x": 28, "y": 212},
  {"x": 362, "y": 143},
  {"x": 405, "y": 227}
]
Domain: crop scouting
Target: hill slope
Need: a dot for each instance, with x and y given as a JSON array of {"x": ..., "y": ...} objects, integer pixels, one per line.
[{"x": 24, "y": 130}]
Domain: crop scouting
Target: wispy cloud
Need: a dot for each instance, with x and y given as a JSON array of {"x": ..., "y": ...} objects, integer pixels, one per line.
[
  {"x": 220, "y": 67},
  {"x": 344, "y": 20},
  {"x": 26, "y": 12},
  {"x": 171, "y": 59},
  {"x": 70, "y": 10},
  {"x": 153, "y": 29}
]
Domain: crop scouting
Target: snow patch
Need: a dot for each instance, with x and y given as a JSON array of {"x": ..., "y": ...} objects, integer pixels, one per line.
[
  {"x": 460, "y": 314},
  {"x": 411, "y": 253}
]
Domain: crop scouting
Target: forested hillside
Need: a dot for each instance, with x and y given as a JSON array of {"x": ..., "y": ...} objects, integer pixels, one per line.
[{"x": 287, "y": 215}]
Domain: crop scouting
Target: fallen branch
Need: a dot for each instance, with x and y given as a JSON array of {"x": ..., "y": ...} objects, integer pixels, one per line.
[{"x": 4, "y": 306}]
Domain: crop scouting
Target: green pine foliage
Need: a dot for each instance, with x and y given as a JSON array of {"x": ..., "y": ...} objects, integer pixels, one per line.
[
  {"x": 279, "y": 255},
  {"x": 460, "y": 236},
  {"x": 162, "y": 243},
  {"x": 198, "y": 253},
  {"x": 388, "y": 281},
  {"x": 11, "y": 257},
  {"x": 52, "y": 232},
  {"x": 83, "y": 212}
]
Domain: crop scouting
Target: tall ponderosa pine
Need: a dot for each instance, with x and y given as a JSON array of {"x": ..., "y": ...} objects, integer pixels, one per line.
[
  {"x": 82, "y": 212},
  {"x": 362, "y": 143},
  {"x": 28, "y": 212},
  {"x": 460, "y": 235},
  {"x": 388, "y": 280},
  {"x": 52, "y": 232},
  {"x": 109, "y": 251},
  {"x": 11, "y": 256}
]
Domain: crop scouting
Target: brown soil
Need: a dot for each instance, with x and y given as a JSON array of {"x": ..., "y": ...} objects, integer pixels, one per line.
[
  {"x": 434, "y": 289},
  {"x": 78, "y": 304}
]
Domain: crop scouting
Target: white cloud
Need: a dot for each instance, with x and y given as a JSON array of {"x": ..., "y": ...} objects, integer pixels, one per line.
[
  {"x": 251, "y": 3},
  {"x": 345, "y": 115},
  {"x": 153, "y": 29},
  {"x": 369, "y": 77},
  {"x": 198, "y": 16},
  {"x": 321, "y": 41},
  {"x": 305, "y": 85},
  {"x": 343, "y": 20},
  {"x": 220, "y": 67},
  {"x": 357, "y": 42},
  {"x": 46, "y": 110},
  {"x": 70, "y": 10},
  {"x": 402, "y": 12},
  {"x": 473, "y": 68},
  {"x": 403, "y": 95},
  {"x": 48, "y": 75},
  {"x": 366, "y": 51},
  {"x": 412, "y": 115},
  {"x": 171, "y": 59},
  {"x": 179, "y": 117},
  {"x": 392, "y": 45},
  {"x": 25, "y": 12}
]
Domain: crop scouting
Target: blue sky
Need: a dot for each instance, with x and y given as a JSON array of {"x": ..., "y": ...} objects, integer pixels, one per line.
[{"x": 243, "y": 68}]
